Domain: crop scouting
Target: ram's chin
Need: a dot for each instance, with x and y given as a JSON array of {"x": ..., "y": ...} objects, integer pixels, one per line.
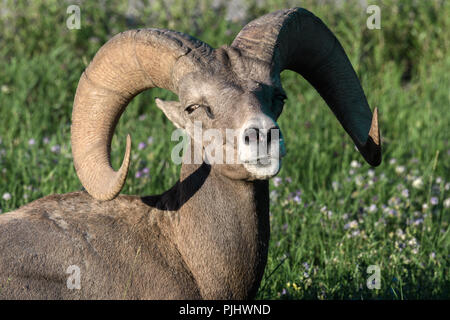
[{"x": 266, "y": 171}]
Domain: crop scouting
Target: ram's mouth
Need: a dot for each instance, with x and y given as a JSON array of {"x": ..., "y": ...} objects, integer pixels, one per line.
[
  {"x": 263, "y": 168},
  {"x": 261, "y": 161}
]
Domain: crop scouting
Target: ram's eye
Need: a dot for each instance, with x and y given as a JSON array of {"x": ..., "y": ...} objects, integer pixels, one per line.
[{"x": 191, "y": 108}]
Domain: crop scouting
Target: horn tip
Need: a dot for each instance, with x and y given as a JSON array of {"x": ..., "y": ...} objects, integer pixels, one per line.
[
  {"x": 371, "y": 151},
  {"x": 374, "y": 132},
  {"x": 128, "y": 151}
]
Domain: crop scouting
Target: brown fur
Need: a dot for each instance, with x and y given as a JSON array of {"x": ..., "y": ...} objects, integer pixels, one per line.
[{"x": 137, "y": 248}]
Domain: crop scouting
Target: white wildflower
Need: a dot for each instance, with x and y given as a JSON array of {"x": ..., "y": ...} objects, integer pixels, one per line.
[
  {"x": 355, "y": 164},
  {"x": 351, "y": 225},
  {"x": 372, "y": 208},
  {"x": 447, "y": 203},
  {"x": 412, "y": 242},
  {"x": 400, "y": 169},
  {"x": 6, "y": 196},
  {"x": 359, "y": 180},
  {"x": 400, "y": 234},
  {"x": 418, "y": 183},
  {"x": 5, "y": 89}
]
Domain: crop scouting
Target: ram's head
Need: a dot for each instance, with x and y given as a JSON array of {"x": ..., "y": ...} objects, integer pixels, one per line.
[{"x": 234, "y": 87}]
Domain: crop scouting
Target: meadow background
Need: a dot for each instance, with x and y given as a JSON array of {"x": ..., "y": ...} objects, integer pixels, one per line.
[{"x": 332, "y": 215}]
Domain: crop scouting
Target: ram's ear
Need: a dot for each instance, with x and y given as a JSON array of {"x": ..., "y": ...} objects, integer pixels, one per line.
[{"x": 173, "y": 111}]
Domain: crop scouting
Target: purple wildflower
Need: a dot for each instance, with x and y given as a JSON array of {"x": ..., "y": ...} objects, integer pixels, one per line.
[
  {"x": 141, "y": 145},
  {"x": 277, "y": 181},
  {"x": 56, "y": 148},
  {"x": 405, "y": 193},
  {"x": 355, "y": 233},
  {"x": 392, "y": 212}
]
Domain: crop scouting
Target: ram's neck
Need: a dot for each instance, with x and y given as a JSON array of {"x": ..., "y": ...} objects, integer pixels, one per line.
[{"x": 222, "y": 231}]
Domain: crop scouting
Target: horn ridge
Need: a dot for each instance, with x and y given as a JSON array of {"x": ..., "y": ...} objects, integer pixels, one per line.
[{"x": 126, "y": 65}]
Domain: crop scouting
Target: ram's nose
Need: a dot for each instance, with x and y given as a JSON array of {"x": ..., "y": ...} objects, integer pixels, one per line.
[{"x": 260, "y": 140}]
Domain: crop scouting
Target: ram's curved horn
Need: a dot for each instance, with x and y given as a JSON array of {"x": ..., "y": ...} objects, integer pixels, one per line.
[
  {"x": 128, "y": 64},
  {"x": 297, "y": 40}
]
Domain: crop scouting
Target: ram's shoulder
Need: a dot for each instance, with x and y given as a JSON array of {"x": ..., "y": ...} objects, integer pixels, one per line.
[{"x": 76, "y": 207}]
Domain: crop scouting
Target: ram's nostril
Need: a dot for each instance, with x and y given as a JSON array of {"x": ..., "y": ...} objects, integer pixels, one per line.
[
  {"x": 269, "y": 134},
  {"x": 251, "y": 135}
]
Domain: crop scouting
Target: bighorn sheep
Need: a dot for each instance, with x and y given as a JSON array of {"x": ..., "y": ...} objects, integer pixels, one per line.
[{"x": 130, "y": 246}]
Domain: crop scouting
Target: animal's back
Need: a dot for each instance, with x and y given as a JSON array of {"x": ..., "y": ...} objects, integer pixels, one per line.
[{"x": 118, "y": 247}]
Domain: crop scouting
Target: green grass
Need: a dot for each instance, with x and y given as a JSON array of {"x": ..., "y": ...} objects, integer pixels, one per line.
[{"x": 349, "y": 217}]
